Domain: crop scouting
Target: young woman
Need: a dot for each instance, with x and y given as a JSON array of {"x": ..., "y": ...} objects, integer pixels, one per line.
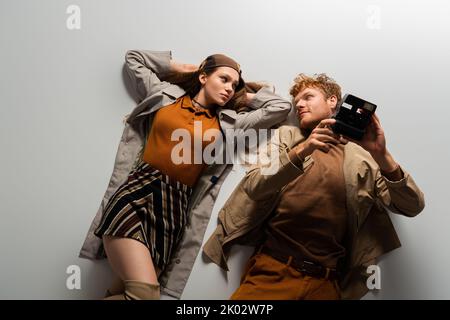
[{"x": 152, "y": 218}]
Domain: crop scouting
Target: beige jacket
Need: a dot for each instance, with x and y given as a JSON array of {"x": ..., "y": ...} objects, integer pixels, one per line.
[
  {"x": 145, "y": 69},
  {"x": 368, "y": 193}
]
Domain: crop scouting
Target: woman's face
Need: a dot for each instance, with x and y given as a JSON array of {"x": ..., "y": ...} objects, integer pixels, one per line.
[{"x": 219, "y": 87}]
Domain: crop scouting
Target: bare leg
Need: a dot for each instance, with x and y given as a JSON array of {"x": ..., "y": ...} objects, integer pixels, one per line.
[
  {"x": 130, "y": 259},
  {"x": 132, "y": 262}
]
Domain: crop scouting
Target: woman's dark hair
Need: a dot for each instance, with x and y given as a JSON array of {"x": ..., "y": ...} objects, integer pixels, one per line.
[{"x": 191, "y": 84}]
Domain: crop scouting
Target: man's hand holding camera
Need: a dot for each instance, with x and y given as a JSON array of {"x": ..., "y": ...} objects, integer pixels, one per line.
[
  {"x": 320, "y": 138},
  {"x": 373, "y": 141}
]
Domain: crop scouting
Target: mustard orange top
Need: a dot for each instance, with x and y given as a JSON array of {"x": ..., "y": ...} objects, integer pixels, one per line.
[{"x": 165, "y": 155}]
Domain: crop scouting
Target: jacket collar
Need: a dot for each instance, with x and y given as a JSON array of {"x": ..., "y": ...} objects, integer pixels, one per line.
[{"x": 186, "y": 103}]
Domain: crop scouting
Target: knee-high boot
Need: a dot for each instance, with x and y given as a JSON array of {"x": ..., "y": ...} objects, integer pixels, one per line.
[{"x": 137, "y": 290}]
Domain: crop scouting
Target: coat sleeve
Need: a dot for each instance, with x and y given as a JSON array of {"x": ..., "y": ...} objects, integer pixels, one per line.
[
  {"x": 262, "y": 181},
  {"x": 403, "y": 196},
  {"x": 267, "y": 110},
  {"x": 145, "y": 69}
]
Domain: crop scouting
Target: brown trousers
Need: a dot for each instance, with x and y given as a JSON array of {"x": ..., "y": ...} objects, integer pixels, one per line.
[{"x": 266, "y": 278}]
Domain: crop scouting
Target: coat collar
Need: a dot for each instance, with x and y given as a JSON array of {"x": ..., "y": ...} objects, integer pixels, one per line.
[{"x": 186, "y": 103}]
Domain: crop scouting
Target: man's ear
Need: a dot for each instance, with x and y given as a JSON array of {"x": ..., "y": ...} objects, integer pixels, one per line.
[
  {"x": 202, "y": 78},
  {"x": 332, "y": 103}
]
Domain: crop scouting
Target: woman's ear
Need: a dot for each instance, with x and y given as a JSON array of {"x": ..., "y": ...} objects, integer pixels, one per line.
[{"x": 202, "y": 78}]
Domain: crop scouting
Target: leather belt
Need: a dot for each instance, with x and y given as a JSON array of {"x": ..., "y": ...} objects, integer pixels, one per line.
[{"x": 306, "y": 267}]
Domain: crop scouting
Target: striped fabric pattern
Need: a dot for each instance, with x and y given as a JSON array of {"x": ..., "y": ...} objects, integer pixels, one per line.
[{"x": 151, "y": 208}]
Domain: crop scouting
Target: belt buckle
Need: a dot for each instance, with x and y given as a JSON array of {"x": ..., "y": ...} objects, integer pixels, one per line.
[
  {"x": 316, "y": 270},
  {"x": 308, "y": 267}
]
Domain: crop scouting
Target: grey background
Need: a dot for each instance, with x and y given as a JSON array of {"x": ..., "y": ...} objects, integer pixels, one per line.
[{"x": 63, "y": 98}]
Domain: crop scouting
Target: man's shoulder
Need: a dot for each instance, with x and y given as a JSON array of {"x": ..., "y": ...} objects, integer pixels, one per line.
[{"x": 289, "y": 135}]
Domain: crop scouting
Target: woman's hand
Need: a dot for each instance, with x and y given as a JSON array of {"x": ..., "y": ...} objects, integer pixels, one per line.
[
  {"x": 249, "y": 97},
  {"x": 320, "y": 138},
  {"x": 182, "y": 67}
]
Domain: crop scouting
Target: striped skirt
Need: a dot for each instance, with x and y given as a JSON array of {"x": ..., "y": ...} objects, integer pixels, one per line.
[{"x": 151, "y": 208}]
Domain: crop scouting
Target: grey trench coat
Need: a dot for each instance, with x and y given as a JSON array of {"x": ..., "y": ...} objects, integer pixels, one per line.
[{"x": 145, "y": 69}]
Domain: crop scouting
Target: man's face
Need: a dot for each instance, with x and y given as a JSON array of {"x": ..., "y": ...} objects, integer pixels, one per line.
[{"x": 312, "y": 107}]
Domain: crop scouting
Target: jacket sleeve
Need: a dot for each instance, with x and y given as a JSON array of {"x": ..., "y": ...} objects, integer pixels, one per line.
[
  {"x": 267, "y": 110},
  {"x": 261, "y": 182},
  {"x": 403, "y": 196},
  {"x": 145, "y": 69}
]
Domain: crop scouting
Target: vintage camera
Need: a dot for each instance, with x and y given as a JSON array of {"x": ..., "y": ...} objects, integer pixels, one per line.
[{"x": 352, "y": 117}]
